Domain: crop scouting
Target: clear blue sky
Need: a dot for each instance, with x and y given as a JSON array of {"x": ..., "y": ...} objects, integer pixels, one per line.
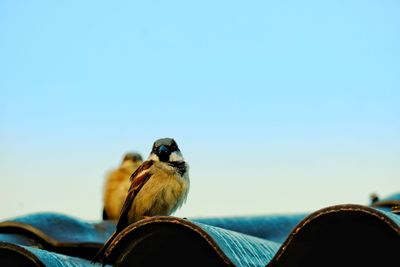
[{"x": 278, "y": 106}]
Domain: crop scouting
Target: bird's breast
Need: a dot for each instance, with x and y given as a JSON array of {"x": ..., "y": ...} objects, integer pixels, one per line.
[{"x": 162, "y": 194}]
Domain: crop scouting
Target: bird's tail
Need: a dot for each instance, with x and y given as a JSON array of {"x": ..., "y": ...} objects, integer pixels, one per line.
[{"x": 100, "y": 256}]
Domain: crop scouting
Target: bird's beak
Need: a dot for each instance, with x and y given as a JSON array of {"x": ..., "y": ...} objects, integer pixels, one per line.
[{"x": 163, "y": 153}]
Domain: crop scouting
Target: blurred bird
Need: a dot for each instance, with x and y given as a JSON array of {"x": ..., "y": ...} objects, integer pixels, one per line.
[
  {"x": 117, "y": 185},
  {"x": 158, "y": 187}
]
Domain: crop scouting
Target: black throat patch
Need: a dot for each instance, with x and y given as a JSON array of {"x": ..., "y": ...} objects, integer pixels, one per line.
[{"x": 180, "y": 166}]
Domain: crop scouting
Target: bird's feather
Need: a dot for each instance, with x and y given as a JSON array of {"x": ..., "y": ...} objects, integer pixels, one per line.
[{"x": 138, "y": 179}]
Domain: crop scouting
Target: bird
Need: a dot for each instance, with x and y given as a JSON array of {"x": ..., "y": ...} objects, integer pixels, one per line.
[
  {"x": 117, "y": 185},
  {"x": 158, "y": 187}
]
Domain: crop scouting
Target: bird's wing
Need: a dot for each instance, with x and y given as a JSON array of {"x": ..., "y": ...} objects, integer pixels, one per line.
[{"x": 138, "y": 179}]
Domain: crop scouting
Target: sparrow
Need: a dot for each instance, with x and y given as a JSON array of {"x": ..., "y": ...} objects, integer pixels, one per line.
[
  {"x": 117, "y": 185},
  {"x": 158, "y": 187}
]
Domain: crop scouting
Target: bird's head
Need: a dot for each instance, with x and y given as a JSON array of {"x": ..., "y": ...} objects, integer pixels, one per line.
[
  {"x": 166, "y": 150},
  {"x": 133, "y": 157}
]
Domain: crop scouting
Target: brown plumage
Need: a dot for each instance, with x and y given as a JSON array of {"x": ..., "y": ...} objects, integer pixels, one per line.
[
  {"x": 158, "y": 187},
  {"x": 117, "y": 184}
]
